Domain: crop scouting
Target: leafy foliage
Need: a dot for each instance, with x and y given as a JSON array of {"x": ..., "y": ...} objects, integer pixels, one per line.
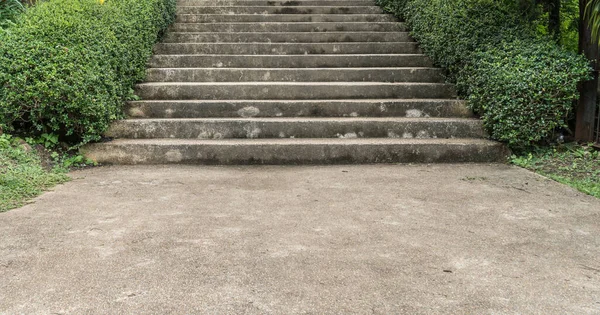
[
  {"x": 523, "y": 89},
  {"x": 522, "y": 85},
  {"x": 67, "y": 65}
]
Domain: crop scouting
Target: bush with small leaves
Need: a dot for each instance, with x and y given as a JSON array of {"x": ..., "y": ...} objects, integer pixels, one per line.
[
  {"x": 67, "y": 66},
  {"x": 523, "y": 86}
]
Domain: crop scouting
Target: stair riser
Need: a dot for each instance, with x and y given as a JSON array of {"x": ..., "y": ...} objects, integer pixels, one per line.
[
  {"x": 265, "y": 3},
  {"x": 295, "y": 75},
  {"x": 289, "y": 27},
  {"x": 295, "y": 154},
  {"x": 342, "y": 128},
  {"x": 174, "y": 109},
  {"x": 286, "y": 37},
  {"x": 242, "y": 91},
  {"x": 298, "y": 61},
  {"x": 280, "y": 10},
  {"x": 287, "y": 49},
  {"x": 226, "y": 18}
]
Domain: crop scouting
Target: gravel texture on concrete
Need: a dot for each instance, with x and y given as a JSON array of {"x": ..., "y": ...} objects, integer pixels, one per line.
[{"x": 383, "y": 239}]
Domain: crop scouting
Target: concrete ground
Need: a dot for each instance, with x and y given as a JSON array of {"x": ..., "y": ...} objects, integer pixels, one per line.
[{"x": 385, "y": 239}]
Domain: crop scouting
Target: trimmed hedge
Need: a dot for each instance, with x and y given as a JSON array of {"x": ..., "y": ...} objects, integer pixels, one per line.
[
  {"x": 67, "y": 66},
  {"x": 521, "y": 85}
]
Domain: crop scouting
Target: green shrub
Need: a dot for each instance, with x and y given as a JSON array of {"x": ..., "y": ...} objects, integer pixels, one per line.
[
  {"x": 522, "y": 85},
  {"x": 523, "y": 90},
  {"x": 67, "y": 66}
]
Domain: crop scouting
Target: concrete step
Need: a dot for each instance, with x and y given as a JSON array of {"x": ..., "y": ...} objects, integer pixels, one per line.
[
  {"x": 251, "y": 128},
  {"x": 290, "y": 27},
  {"x": 289, "y": 61},
  {"x": 281, "y": 10},
  {"x": 290, "y": 90},
  {"x": 290, "y": 37},
  {"x": 296, "y": 151},
  {"x": 294, "y": 108},
  {"x": 264, "y": 3},
  {"x": 286, "y": 48},
  {"x": 295, "y": 75},
  {"x": 237, "y": 18}
]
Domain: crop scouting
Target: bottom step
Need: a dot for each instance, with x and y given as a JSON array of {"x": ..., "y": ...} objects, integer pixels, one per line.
[{"x": 295, "y": 151}]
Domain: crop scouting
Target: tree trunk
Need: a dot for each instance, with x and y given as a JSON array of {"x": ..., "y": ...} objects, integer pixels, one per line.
[
  {"x": 554, "y": 19},
  {"x": 586, "y": 109}
]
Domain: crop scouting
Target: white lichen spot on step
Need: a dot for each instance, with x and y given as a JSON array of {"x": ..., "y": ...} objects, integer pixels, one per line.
[
  {"x": 174, "y": 156},
  {"x": 267, "y": 76},
  {"x": 414, "y": 113},
  {"x": 348, "y": 135},
  {"x": 136, "y": 112},
  {"x": 281, "y": 134},
  {"x": 252, "y": 132},
  {"x": 354, "y": 114},
  {"x": 392, "y": 134},
  {"x": 383, "y": 108},
  {"x": 423, "y": 134},
  {"x": 169, "y": 113},
  {"x": 210, "y": 135},
  {"x": 407, "y": 135},
  {"x": 248, "y": 111}
]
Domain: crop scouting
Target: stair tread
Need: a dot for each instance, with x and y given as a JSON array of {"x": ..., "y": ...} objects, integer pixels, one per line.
[
  {"x": 293, "y": 69},
  {"x": 304, "y": 119},
  {"x": 288, "y": 56},
  {"x": 382, "y": 100},
  {"x": 293, "y": 141},
  {"x": 290, "y": 83},
  {"x": 291, "y": 33}
]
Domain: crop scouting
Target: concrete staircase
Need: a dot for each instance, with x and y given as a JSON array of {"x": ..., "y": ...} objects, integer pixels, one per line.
[{"x": 292, "y": 82}]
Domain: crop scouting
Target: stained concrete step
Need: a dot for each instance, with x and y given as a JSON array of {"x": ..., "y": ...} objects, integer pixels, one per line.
[
  {"x": 287, "y": 48},
  {"x": 295, "y": 75},
  {"x": 290, "y": 90},
  {"x": 295, "y": 108},
  {"x": 287, "y": 3},
  {"x": 289, "y": 61},
  {"x": 253, "y": 128},
  {"x": 328, "y": 18},
  {"x": 290, "y": 27},
  {"x": 295, "y": 151},
  {"x": 280, "y": 10},
  {"x": 289, "y": 37}
]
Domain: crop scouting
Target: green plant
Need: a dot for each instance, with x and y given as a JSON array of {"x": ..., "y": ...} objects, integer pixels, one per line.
[
  {"x": 523, "y": 90},
  {"x": 522, "y": 85},
  {"x": 49, "y": 141},
  {"x": 9, "y": 11},
  {"x": 21, "y": 174},
  {"x": 67, "y": 66},
  {"x": 570, "y": 164}
]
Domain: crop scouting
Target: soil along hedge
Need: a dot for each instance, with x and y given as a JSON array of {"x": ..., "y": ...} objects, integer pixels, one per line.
[
  {"x": 521, "y": 85},
  {"x": 67, "y": 66}
]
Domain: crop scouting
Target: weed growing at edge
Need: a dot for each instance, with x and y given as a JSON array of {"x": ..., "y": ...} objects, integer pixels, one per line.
[{"x": 570, "y": 164}]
